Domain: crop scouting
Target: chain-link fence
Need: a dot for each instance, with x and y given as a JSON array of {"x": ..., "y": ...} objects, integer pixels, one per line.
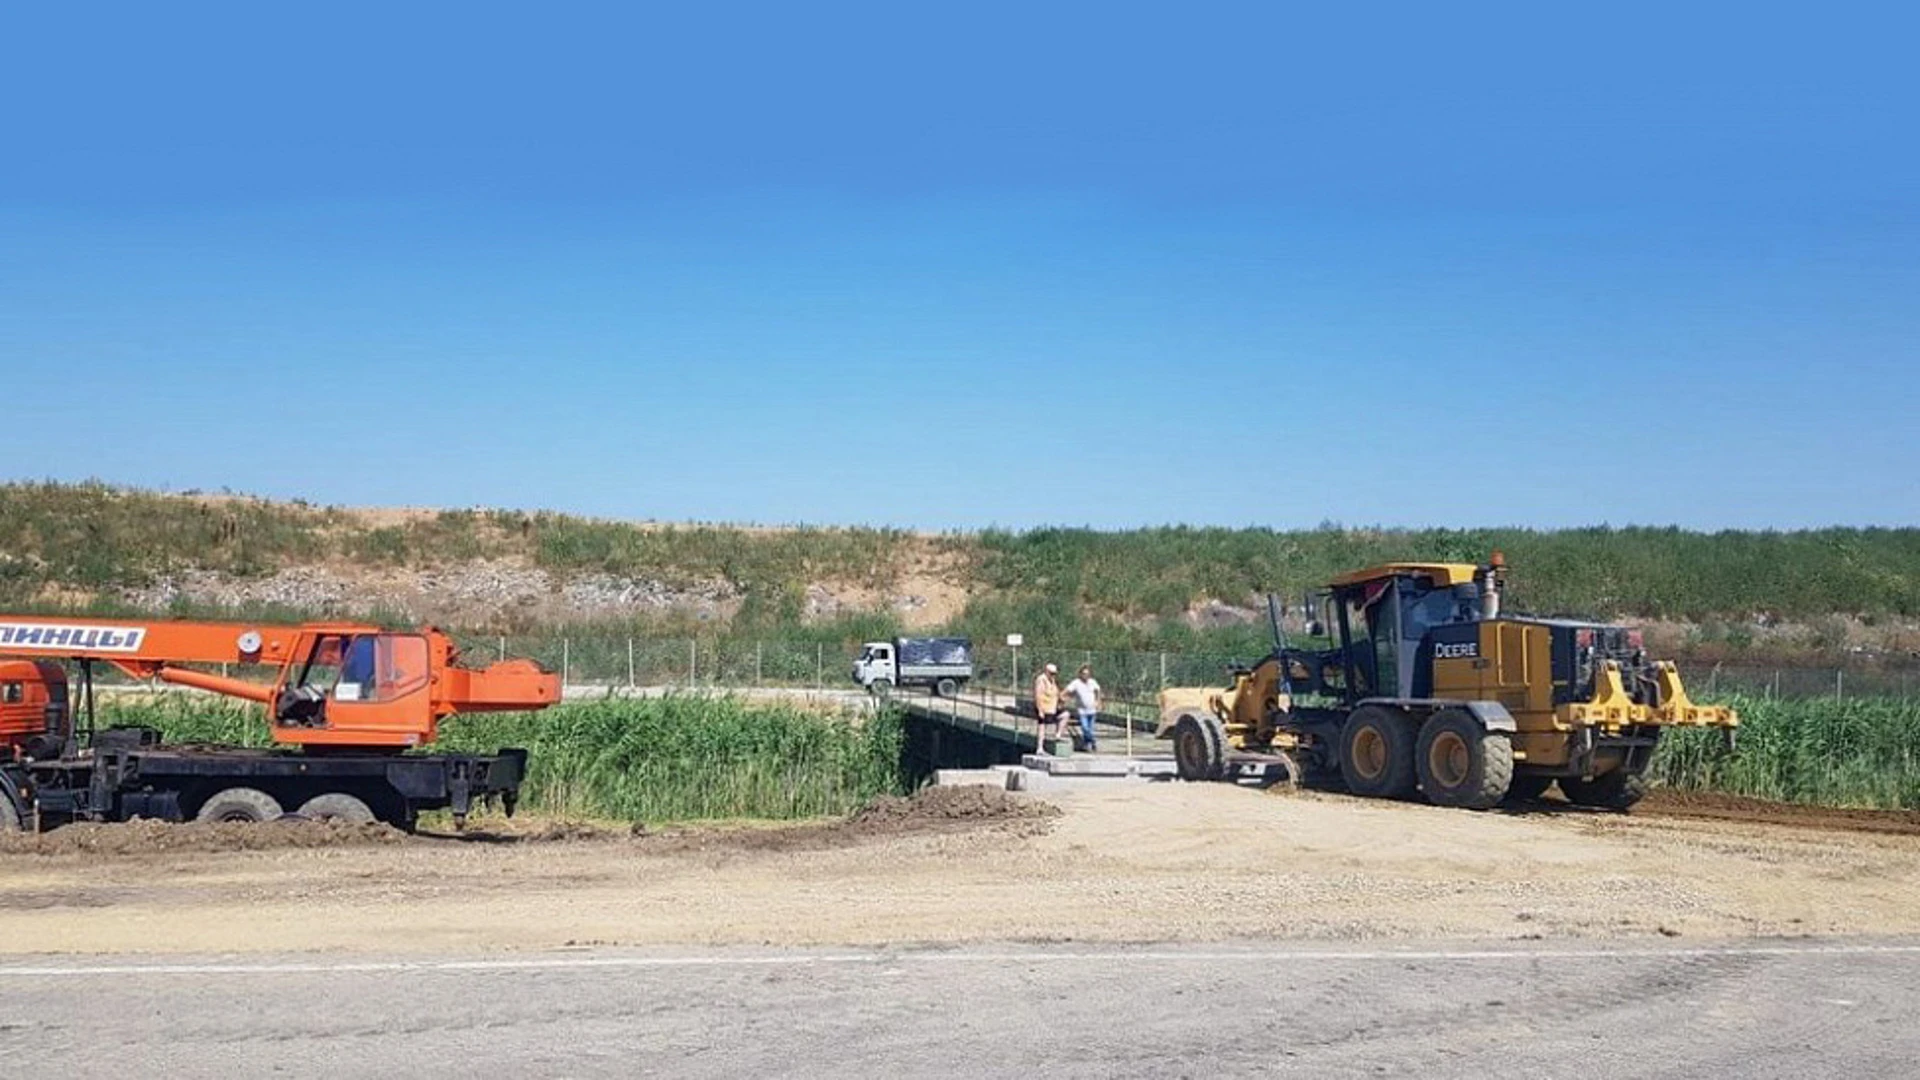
[{"x": 1132, "y": 677}]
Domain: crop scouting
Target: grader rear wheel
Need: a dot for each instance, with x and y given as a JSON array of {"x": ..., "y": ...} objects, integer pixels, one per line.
[
  {"x": 1199, "y": 747},
  {"x": 1462, "y": 763},
  {"x": 1616, "y": 790},
  {"x": 1528, "y": 788},
  {"x": 9, "y": 816}
]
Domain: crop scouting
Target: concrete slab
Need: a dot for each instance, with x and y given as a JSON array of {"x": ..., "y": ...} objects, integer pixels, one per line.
[{"x": 1100, "y": 765}]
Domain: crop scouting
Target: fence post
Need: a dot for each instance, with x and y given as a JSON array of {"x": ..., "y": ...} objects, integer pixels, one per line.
[
  {"x": 503, "y": 646},
  {"x": 566, "y": 663},
  {"x": 1839, "y": 683},
  {"x": 1163, "y": 669},
  {"x": 759, "y": 669},
  {"x": 693, "y": 661},
  {"x": 820, "y": 665},
  {"x": 1776, "y": 685},
  {"x": 630, "y": 680}
]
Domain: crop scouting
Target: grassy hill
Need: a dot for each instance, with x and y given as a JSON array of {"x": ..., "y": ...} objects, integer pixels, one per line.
[{"x": 92, "y": 546}]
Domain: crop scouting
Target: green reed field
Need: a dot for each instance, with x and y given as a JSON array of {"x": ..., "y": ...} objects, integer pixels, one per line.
[
  {"x": 1861, "y": 752},
  {"x": 692, "y": 757},
  {"x": 677, "y": 758}
]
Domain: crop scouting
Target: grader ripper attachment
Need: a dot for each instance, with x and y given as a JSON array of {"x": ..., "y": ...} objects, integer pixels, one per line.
[{"x": 1430, "y": 689}]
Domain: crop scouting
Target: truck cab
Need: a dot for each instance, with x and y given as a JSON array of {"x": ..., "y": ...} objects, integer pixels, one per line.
[{"x": 875, "y": 665}]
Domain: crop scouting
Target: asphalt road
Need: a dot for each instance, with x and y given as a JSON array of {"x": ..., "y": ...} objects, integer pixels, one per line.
[{"x": 1452, "y": 1010}]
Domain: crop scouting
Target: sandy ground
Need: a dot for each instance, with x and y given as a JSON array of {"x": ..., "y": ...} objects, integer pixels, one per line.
[{"x": 1124, "y": 862}]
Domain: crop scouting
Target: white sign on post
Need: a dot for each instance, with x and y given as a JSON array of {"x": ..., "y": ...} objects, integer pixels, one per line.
[{"x": 1014, "y": 641}]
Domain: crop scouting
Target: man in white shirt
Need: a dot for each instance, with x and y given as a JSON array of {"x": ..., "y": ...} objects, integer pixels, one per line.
[{"x": 1085, "y": 693}]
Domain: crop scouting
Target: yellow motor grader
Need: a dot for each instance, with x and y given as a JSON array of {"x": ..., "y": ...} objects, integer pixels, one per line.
[{"x": 1430, "y": 689}]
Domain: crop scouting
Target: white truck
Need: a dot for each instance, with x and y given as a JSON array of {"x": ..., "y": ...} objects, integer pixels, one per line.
[{"x": 943, "y": 664}]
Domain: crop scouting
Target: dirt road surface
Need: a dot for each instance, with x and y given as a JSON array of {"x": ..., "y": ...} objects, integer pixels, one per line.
[{"x": 1123, "y": 862}]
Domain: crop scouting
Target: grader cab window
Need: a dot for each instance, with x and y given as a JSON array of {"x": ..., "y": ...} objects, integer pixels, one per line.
[{"x": 1366, "y": 635}]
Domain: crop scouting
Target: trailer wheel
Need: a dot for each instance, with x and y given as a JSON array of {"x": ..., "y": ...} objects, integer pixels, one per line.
[
  {"x": 1528, "y": 788},
  {"x": 337, "y": 806},
  {"x": 1199, "y": 747},
  {"x": 1462, "y": 763},
  {"x": 946, "y": 688},
  {"x": 1616, "y": 790},
  {"x": 1376, "y": 752},
  {"x": 240, "y": 804}
]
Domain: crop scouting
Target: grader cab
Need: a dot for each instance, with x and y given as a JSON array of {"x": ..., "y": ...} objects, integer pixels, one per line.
[{"x": 1430, "y": 688}]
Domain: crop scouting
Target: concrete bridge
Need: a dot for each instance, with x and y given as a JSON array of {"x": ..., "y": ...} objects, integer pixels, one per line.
[{"x": 978, "y": 729}]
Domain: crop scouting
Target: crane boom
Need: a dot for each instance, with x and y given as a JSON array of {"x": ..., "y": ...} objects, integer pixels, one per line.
[{"x": 334, "y": 684}]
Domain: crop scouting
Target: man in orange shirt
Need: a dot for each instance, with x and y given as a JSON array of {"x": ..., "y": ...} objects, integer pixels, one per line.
[{"x": 1046, "y": 704}]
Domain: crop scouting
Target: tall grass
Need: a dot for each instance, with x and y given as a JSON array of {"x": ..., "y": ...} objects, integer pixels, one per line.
[
  {"x": 692, "y": 757},
  {"x": 677, "y": 758},
  {"x": 1862, "y": 752}
]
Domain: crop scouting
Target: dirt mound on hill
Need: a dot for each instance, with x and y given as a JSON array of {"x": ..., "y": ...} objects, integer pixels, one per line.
[{"x": 169, "y": 838}]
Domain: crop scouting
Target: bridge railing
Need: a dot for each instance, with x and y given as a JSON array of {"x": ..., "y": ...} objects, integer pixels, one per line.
[{"x": 1131, "y": 679}]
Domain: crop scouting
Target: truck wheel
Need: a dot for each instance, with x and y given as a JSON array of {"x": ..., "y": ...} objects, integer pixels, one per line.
[
  {"x": 946, "y": 688},
  {"x": 1616, "y": 790},
  {"x": 1376, "y": 752},
  {"x": 1199, "y": 747},
  {"x": 336, "y": 806},
  {"x": 1528, "y": 788},
  {"x": 240, "y": 804},
  {"x": 1462, "y": 763},
  {"x": 881, "y": 688}
]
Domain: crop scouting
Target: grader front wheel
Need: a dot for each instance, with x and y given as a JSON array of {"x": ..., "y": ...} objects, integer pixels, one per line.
[{"x": 1199, "y": 747}]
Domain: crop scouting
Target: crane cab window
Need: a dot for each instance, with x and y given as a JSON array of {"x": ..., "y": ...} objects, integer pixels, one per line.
[
  {"x": 12, "y": 693},
  {"x": 367, "y": 667}
]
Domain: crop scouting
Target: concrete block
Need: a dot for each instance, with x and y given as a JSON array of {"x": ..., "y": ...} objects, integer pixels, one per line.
[{"x": 970, "y": 778}]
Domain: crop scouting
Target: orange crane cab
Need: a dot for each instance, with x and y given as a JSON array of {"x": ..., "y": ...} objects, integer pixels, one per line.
[
  {"x": 33, "y": 707},
  {"x": 355, "y": 694}
]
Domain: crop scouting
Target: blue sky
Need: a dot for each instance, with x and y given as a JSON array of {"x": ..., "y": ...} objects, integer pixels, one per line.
[{"x": 986, "y": 265}]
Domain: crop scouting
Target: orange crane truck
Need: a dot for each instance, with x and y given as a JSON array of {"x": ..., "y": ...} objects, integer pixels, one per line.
[{"x": 348, "y": 707}]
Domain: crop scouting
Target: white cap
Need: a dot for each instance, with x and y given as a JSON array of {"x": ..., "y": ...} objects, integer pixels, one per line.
[{"x": 1052, "y": 670}]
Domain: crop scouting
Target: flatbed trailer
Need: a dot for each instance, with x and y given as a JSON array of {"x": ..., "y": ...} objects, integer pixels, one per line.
[{"x": 128, "y": 773}]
